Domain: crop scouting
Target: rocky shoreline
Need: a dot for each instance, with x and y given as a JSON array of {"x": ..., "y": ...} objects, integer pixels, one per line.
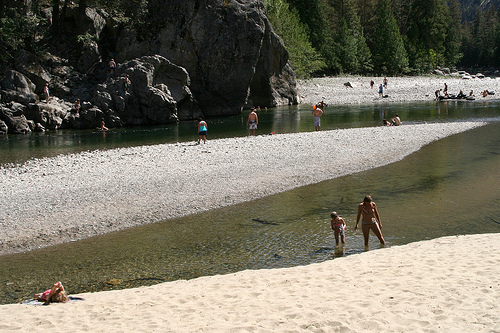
[{"x": 54, "y": 200}]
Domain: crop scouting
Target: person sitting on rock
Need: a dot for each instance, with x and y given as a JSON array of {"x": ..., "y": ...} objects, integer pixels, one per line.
[
  {"x": 127, "y": 83},
  {"x": 77, "y": 105}
]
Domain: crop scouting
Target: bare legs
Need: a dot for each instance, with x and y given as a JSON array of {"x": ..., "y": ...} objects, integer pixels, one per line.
[{"x": 376, "y": 230}]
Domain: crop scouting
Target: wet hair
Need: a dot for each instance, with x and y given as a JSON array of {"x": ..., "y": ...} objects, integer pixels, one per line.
[
  {"x": 368, "y": 198},
  {"x": 334, "y": 215},
  {"x": 59, "y": 296},
  {"x": 200, "y": 118}
]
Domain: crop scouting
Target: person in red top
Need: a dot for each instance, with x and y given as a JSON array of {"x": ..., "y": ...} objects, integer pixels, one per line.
[{"x": 55, "y": 294}]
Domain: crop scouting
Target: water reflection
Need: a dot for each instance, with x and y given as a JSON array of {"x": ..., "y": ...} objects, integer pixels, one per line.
[
  {"x": 286, "y": 119},
  {"x": 450, "y": 187}
]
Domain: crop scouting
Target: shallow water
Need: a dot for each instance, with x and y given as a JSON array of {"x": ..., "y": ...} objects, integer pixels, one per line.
[
  {"x": 20, "y": 148},
  {"x": 450, "y": 187}
]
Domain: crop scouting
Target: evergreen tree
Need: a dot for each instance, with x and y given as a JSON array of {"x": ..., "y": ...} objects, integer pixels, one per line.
[
  {"x": 317, "y": 15},
  {"x": 389, "y": 55},
  {"x": 496, "y": 56},
  {"x": 346, "y": 49},
  {"x": 304, "y": 58},
  {"x": 486, "y": 37},
  {"x": 353, "y": 52},
  {"x": 427, "y": 34},
  {"x": 454, "y": 34}
]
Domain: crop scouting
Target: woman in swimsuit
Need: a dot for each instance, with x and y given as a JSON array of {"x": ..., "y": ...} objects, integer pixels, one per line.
[{"x": 370, "y": 221}]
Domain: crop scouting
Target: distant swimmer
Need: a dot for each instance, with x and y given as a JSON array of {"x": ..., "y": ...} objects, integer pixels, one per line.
[{"x": 103, "y": 125}]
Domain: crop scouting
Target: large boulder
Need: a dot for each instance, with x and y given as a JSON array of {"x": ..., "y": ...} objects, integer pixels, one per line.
[
  {"x": 49, "y": 115},
  {"x": 157, "y": 88},
  {"x": 16, "y": 87},
  {"x": 14, "y": 119},
  {"x": 229, "y": 49},
  {"x": 4, "y": 129},
  {"x": 31, "y": 66}
]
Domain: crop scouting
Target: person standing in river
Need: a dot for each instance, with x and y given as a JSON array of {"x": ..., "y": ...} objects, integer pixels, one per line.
[
  {"x": 252, "y": 121},
  {"x": 370, "y": 221},
  {"x": 317, "y": 113}
]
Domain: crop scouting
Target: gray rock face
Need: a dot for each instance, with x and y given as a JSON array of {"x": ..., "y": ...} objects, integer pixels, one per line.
[
  {"x": 18, "y": 88},
  {"x": 149, "y": 98},
  {"x": 14, "y": 119},
  {"x": 228, "y": 48},
  {"x": 29, "y": 65},
  {"x": 191, "y": 58},
  {"x": 3, "y": 127}
]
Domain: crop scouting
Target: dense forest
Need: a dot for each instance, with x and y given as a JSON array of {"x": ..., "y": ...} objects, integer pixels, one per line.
[
  {"x": 387, "y": 37},
  {"x": 384, "y": 36}
]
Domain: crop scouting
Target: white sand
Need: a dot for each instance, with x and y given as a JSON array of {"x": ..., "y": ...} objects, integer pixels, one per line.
[
  {"x": 399, "y": 89},
  {"x": 448, "y": 284}
]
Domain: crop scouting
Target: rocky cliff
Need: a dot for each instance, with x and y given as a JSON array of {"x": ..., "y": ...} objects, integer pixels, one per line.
[{"x": 191, "y": 58}]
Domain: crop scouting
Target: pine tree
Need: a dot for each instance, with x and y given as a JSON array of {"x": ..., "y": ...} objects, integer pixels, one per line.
[
  {"x": 454, "y": 34},
  {"x": 497, "y": 51},
  {"x": 304, "y": 58},
  {"x": 317, "y": 16},
  {"x": 427, "y": 34},
  {"x": 354, "y": 54},
  {"x": 486, "y": 35},
  {"x": 389, "y": 55}
]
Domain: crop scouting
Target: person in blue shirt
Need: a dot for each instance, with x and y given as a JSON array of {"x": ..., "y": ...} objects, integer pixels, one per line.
[{"x": 202, "y": 130}]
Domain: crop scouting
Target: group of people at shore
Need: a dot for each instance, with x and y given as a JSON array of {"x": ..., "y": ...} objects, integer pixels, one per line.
[{"x": 442, "y": 94}]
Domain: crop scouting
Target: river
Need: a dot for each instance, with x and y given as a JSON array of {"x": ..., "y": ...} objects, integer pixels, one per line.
[{"x": 450, "y": 187}]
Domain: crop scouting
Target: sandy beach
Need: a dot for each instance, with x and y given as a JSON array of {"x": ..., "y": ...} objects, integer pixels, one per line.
[
  {"x": 445, "y": 284},
  {"x": 399, "y": 89},
  {"x": 448, "y": 284}
]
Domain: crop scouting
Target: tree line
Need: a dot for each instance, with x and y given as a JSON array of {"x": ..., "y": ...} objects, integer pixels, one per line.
[{"x": 385, "y": 37}]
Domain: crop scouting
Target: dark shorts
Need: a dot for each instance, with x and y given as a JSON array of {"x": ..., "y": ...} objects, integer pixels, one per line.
[{"x": 202, "y": 133}]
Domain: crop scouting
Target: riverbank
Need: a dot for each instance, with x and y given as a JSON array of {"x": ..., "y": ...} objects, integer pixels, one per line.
[
  {"x": 70, "y": 197},
  {"x": 445, "y": 284},
  {"x": 399, "y": 89}
]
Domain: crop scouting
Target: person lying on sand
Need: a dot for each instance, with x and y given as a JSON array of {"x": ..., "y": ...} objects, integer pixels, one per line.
[{"x": 55, "y": 294}]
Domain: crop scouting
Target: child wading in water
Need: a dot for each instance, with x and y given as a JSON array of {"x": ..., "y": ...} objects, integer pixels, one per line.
[{"x": 338, "y": 226}]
